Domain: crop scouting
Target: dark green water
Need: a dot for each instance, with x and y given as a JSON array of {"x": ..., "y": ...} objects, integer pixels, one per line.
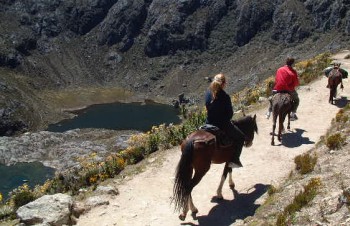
[
  {"x": 120, "y": 116},
  {"x": 13, "y": 176}
]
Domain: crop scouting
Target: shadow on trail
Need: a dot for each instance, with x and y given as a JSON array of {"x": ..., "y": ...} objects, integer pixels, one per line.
[
  {"x": 295, "y": 139},
  {"x": 227, "y": 212},
  {"x": 341, "y": 102}
]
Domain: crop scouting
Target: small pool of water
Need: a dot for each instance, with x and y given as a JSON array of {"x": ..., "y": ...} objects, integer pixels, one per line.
[
  {"x": 120, "y": 116},
  {"x": 32, "y": 173}
]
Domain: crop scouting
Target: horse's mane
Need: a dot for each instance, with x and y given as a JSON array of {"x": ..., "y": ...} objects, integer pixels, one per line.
[{"x": 246, "y": 120}]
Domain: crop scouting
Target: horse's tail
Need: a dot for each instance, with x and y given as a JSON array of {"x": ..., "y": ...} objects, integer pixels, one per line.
[{"x": 182, "y": 186}]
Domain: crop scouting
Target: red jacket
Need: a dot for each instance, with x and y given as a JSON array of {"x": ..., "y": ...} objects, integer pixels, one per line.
[{"x": 286, "y": 79}]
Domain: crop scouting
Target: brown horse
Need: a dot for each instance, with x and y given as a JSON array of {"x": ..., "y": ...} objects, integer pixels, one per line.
[
  {"x": 199, "y": 150},
  {"x": 281, "y": 107},
  {"x": 334, "y": 79}
]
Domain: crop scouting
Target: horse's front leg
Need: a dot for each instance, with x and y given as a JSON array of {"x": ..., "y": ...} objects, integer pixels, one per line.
[
  {"x": 227, "y": 169},
  {"x": 331, "y": 95},
  {"x": 288, "y": 125},
  {"x": 230, "y": 180}
]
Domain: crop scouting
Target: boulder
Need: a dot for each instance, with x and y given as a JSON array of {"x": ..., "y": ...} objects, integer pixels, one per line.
[{"x": 48, "y": 210}]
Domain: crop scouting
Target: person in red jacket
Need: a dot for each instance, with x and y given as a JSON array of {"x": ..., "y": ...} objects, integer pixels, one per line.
[{"x": 287, "y": 80}]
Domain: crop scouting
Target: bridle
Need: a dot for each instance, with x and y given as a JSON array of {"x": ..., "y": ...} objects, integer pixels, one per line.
[{"x": 247, "y": 139}]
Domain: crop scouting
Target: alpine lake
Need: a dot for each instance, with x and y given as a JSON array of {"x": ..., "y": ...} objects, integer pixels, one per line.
[{"x": 139, "y": 116}]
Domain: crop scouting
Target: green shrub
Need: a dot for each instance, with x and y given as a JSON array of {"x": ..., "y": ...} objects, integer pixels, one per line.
[
  {"x": 305, "y": 163},
  {"x": 21, "y": 196},
  {"x": 335, "y": 141}
]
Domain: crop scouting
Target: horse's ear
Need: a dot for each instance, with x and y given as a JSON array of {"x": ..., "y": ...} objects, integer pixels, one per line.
[{"x": 254, "y": 117}]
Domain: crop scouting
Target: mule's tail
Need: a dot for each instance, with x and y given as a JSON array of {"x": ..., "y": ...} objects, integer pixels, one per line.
[{"x": 182, "y": 186}]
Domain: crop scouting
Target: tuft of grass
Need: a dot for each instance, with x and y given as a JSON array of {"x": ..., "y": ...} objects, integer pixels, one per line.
[
  {"x": 335, "y": 141},
  {"x": 341, "y": 116},
  {"x": 299, "y": 201},
  {"x": 310, "y": 69},
  {"x": 305, "y": 163},
  {"x": 346, "y": 195},
  {"x": 5, "y": 211},
  {"x": 271, "y": 190}
]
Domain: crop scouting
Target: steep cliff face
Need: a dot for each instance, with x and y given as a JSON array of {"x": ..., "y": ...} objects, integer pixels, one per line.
[{"x": 154, "y": 47}]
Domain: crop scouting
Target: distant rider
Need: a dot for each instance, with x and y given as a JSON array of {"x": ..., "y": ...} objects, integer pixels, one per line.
[
  {"x": 336, "y": 72},
  {"x": 286, "y": 80}
]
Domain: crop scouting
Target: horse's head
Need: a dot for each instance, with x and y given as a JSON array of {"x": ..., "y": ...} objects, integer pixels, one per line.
[{"x": 247, "y": 125}]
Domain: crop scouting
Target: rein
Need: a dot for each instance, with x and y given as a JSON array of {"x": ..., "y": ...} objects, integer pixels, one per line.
[
  {"x": 241, "y": 132},
  {"x": 247, "y": 139}
]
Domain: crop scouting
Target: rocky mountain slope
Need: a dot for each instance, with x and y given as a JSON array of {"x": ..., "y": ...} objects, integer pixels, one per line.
[{"x": 156, "y": 48}]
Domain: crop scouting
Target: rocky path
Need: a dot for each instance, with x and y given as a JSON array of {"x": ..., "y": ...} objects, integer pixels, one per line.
[{"x": 145, "y": 198}]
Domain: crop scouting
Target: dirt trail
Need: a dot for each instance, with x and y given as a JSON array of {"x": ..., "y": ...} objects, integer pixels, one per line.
[{"x": 145, "y": 198}]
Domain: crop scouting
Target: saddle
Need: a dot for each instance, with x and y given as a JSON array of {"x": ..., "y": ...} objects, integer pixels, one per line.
[
  {"x": 282, "y": 97},
  {"x": 222, "y": 139}
]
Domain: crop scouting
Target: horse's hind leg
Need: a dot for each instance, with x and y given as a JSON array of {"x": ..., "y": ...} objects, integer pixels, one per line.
[
  {"x": 273, "y": 129},
  {"x": 280, "y": 126},
  {"x": 182, "y": 216},
  {"x": 192, "y": 207},
  {"x": 198, "y": 175},
  {"x": 187, "y": 207}
]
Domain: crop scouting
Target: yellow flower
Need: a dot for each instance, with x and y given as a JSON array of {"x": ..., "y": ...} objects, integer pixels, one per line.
[
  {"x": 93, "y": 179},
  {"x": 0, "y": 197}
]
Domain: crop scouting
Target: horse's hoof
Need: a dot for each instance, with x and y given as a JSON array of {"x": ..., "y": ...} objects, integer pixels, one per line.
[
  {"x": 273, "y": 143},
  {"x": 194, "y": 215},
  {"x": 219, "y": 197},
  {"x": 182, "y": 217}
]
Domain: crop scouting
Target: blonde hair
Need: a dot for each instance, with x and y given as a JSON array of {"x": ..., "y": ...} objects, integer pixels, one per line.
[{"x": 217, "y": 84}]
